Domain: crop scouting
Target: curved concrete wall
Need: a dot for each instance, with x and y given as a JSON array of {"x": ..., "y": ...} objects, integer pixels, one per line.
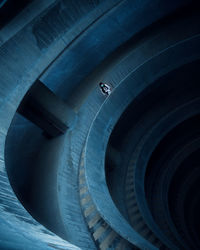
[{"x": 69, "y": 52}]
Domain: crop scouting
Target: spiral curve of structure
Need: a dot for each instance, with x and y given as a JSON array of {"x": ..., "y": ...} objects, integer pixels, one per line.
[{"x": 99, "y": 124}]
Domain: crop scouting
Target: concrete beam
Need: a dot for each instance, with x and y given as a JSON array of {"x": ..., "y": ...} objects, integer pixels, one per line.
[{"x": 42, "y": 107}]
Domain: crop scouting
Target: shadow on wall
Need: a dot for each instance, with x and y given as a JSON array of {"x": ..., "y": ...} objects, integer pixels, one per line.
[
  {"x": 10, "y": 8},
  {"x": 32, "y": 161}
]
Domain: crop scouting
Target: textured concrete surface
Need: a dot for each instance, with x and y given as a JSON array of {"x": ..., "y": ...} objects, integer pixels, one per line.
[
  {"x": 105, "y": 121},
  {"x": 62, "y": 50}
]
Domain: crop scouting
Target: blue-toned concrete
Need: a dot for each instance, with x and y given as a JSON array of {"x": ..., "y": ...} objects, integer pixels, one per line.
[
  {"x": 105, "y": 121},
  {"x": 65, "y": 51},
  {"x": 2, "y": 2},
  {"x": 116, "y": 27},
  {"x": 16, "y": 78}
]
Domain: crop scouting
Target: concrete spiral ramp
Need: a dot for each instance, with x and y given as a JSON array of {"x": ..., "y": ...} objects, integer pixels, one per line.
[{"x": 99, "y": 124}]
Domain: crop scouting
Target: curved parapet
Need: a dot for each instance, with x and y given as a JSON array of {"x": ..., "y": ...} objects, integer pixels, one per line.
[{"x": 99, "y": 115}]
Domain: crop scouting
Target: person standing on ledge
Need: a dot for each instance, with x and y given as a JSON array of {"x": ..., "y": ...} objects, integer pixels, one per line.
[{"x": 105, "y": 88}]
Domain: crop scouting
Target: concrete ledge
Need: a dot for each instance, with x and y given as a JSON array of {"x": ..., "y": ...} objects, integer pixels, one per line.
[{"x": 157, "y": 66}]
